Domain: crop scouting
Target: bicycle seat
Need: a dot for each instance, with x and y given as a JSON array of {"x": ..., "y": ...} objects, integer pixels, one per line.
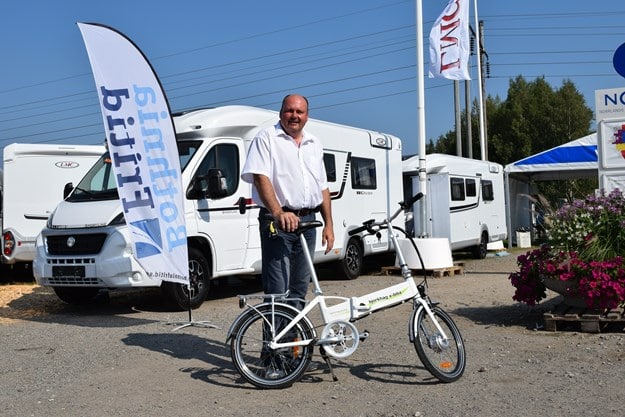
[{"x": 303, "y": 226}]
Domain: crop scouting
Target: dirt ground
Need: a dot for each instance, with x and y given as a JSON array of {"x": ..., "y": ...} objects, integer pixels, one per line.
[{"x": 121, "y": 356}]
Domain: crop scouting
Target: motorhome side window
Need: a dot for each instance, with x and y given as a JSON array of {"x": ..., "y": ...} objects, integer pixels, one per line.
[
  {"x": 330, "y": 164},
  {"x": 363, "y": 174},
  {"x": 471, "y": 188},
  {"x": 98, "y": 182},
  {"x": 224, "y": 157},
  {"x": 457, "y": 189},
  {"x": 186, "y": 150},
  {"x": 487, "y": 190}
]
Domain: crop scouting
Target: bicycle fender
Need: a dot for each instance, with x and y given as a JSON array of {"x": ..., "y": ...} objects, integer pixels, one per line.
[
  {"x": 256, "y": 309},
  {"x": 411, "y": 323},
  {"x": 413, "y": 317}
]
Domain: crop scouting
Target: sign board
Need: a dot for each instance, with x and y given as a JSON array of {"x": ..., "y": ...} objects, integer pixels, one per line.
[{"x": 610, "y": 115}]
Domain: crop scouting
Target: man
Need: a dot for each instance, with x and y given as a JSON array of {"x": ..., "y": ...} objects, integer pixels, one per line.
[{"x": 285, "y": 166}]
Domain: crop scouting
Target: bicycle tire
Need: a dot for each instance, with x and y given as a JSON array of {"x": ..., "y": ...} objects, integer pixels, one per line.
[
  {"x": 252, "y": 358},
  {"x": 443, "y": 359}
]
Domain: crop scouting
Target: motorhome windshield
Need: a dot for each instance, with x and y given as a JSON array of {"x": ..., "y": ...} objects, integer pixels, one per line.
[{"x": 99, "y": 182}]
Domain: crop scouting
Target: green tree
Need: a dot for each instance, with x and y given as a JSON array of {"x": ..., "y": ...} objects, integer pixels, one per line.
[{"x": 535, "y": 117}]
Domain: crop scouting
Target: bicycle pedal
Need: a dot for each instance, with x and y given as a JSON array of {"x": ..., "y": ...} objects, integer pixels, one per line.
[{"x": 363, "y": 336}]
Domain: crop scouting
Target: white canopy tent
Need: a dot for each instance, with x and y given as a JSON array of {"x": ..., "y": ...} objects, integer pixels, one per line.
[{"x": 575, "y": 159}]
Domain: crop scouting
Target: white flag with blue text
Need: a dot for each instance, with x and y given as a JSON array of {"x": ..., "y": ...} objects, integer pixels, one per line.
[
  {"x": 450, "y": 44},
  {"x": 142, "y": 143}
]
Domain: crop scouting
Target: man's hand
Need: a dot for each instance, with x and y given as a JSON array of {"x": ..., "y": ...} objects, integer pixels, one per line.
[
  {"x": 327, "y": 237},
  {"x": 287, "y": 221}
]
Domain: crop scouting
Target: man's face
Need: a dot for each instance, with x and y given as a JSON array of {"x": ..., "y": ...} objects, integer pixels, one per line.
[{"x": 294, "y": 115}]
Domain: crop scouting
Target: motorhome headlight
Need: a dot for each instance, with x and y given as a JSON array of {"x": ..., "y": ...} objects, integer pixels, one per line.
[
  {"x": 118, "y": 220},
  {"x": 50, "y": 221}
]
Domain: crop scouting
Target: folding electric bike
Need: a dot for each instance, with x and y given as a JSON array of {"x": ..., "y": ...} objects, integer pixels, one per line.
[{"x": 272, "y": 342}]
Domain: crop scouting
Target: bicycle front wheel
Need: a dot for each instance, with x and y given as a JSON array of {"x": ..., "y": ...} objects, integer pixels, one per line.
[
  {"x": 262, "y": 366},
  {"x": 443, "y": 357}
]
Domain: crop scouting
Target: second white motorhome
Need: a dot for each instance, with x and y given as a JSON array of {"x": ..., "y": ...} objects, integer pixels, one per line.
[
  {"x": 364, "y": 175},
  {"x": 465, "y": 200},
  {"x": 32, "y": 185}
]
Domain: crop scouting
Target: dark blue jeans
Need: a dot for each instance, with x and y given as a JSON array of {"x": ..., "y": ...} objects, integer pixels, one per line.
[{"x": 284, "y": 266}]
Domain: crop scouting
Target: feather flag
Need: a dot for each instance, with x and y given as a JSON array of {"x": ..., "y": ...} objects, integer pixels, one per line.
[{"x": 142, "y": 143}]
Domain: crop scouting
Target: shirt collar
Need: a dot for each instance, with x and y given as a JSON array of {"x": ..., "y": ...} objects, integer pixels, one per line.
[{"x": 281, "y": 132}]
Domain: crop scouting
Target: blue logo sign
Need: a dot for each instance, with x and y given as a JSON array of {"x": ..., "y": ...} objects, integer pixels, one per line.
[{"x": 619, "y": 60}]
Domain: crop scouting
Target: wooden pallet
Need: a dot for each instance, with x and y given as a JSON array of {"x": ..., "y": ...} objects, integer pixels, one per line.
[
  {"x": 457, "y": 269},
  {"x": 589, "y": 320}
]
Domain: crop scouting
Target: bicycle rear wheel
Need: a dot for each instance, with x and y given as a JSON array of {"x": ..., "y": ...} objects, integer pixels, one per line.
[
  {"x": 261, "y": 366},
  {"x": 444, "y": 358}
]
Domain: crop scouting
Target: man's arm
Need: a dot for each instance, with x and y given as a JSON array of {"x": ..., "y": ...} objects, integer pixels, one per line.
[{"x": 327, "y": 235}]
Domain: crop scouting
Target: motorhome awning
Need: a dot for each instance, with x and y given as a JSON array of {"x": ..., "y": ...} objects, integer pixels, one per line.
[{"x": 575, "y": 159}]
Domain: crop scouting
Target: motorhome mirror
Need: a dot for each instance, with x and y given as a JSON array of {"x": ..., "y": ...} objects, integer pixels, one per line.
[
  {"x": 242, "y": 205},
  {"x": 217, "y": 185},
  {"x": 67, "y": 190}
]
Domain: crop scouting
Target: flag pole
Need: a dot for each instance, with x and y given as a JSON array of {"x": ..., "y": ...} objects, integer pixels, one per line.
[
  {"x": 479, "y": 80},
  {"x": 421, "y": 119}
]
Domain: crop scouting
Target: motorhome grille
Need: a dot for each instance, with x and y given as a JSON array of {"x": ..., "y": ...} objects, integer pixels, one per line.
[
  {"x": 70, "y": 261},
  {"x": 87, "y": 244},
  {"x": 73, "y": 281}
]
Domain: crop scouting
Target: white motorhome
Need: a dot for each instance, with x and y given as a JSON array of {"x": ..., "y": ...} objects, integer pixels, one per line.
[
  {"x": 364, "y": 174},
  {"x": 33, "y": 184},
  {"x": 465, "y": 200}
]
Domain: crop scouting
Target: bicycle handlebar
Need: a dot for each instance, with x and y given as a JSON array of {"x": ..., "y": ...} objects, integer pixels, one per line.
[
  {"x": 406, "y": 205},
  {"x": 368, "y": 225}
]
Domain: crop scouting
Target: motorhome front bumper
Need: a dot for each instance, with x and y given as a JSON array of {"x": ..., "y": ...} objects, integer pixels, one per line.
[{"x": 88, "y": 259}]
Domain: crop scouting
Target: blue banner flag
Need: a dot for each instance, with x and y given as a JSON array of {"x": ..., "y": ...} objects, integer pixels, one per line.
[{"x": 142, "y": 143}]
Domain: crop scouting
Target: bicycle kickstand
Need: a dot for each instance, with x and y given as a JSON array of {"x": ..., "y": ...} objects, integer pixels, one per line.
[{"x": 326, "y": 358}]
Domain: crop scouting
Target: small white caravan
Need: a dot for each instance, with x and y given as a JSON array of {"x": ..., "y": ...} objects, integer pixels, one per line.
[
  {"x": 33, "y": 184},
  {"x": 465, "y": 200},
  {"x": 364, "y": 175}
]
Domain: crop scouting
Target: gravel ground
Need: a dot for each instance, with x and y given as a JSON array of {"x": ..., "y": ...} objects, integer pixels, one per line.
[{"x": 121, "y": 357}]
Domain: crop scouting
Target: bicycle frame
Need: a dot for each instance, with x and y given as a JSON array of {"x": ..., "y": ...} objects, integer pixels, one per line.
[{"x": 353, "y": 308}]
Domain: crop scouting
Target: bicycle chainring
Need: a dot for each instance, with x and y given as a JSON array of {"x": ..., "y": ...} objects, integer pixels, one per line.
[{"x": 339, "y": 339}]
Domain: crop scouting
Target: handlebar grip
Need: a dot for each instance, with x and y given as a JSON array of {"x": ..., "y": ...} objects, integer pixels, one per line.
[
  {"x": 357, "y": 230},
  {"x": 414, "y": 199},
  {"x": 365, "y": 226}
]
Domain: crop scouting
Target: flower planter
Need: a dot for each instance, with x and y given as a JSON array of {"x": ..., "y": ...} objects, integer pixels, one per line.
[{"x": 564, "y": 288}]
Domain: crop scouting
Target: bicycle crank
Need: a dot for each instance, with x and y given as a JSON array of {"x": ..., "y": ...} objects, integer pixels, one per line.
[{"x": 339, "y": 339}]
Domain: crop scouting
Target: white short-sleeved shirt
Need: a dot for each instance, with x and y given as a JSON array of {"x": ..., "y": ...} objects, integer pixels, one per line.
[{"x": 296, "y": 172}]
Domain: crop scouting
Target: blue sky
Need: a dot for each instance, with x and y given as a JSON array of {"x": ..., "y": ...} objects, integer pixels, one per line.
[{"x": 355, "y": 60}]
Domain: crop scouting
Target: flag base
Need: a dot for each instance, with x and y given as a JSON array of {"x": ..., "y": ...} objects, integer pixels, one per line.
[{"x": 191, "y": 323}]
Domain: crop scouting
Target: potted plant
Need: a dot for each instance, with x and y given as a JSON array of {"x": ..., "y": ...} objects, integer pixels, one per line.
[{"x": 582, "y": 256}]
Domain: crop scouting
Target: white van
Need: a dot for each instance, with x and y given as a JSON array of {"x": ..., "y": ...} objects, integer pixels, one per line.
[
  {"x": 364, "y": 174},
  {"x": 465, "y": 200},
  {"x": 33, "y": 184}
]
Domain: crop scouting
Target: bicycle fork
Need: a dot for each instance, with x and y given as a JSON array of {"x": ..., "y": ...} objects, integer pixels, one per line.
[{"x": 441, "y": 338}]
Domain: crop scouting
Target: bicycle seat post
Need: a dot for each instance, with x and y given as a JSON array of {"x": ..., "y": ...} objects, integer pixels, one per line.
[
  {"x": 405, "y": 270},
  {"x": 311, "y": 266}
]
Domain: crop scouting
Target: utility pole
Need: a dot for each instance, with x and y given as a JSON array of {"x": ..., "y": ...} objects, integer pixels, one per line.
[
  {"x": 458, "y": 118},
  {"x": 485, "y": 73}
]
